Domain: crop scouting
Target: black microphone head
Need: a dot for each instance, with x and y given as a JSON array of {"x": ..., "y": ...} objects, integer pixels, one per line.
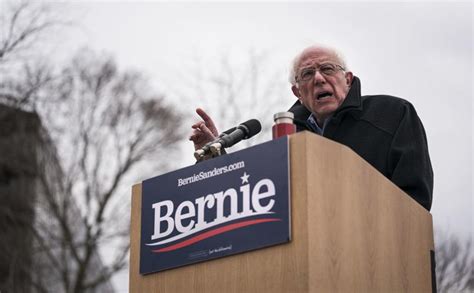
[
  {"x": 251, "y": 127},
  {"x": 228, "y": 131}
]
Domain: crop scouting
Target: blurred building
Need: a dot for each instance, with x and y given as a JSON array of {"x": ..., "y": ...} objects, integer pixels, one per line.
[{"x": 33, "y": 252}]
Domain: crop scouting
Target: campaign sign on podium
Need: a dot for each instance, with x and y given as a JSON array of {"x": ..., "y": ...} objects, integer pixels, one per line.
[{"x": 223, "y": 206}]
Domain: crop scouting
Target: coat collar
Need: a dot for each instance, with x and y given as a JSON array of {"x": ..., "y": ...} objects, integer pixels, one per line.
[{"x": 352, "y": 100}]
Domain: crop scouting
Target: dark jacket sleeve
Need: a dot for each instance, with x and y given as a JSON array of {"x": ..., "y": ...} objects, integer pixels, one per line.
[{"x": 408, "y": 158}]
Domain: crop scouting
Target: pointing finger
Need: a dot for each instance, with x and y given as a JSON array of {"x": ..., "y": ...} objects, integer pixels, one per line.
[
  {"x": 203, "y": 114},
  {"x": 207, "y": 120}
]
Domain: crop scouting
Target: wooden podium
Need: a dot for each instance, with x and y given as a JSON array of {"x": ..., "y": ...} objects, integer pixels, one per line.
[{"x": 352, "y": 231}]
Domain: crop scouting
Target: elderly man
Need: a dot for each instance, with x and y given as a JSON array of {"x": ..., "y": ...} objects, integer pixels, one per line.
[{"x": 384, "y": 130}]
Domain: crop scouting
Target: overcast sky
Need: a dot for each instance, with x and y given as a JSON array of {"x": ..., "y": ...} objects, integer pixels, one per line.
[{"x": 419, "y": 51}]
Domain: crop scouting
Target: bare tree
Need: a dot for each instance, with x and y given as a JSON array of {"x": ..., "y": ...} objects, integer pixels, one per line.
[
  {"x": 454, "y": 263},
  {"x": 25, "y": 28},
  {"x": 102, "y": 129},
  {"x": 24, "y": 24},
  {"x": 105, "y": 123},
  {"x": 234, "y": 91}
]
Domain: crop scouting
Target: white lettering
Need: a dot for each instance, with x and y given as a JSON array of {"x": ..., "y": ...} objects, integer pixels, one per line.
[
  {"x": 256, "y": 204},
  {"x": 245, "y": 189},
  {"x": 257, "y": 196},
  {"x": 220, "y": 196},
  {"x": 158, "y": 218},
  {"x": 181, "y": 216},
  {"x": 201, "y": 203}
]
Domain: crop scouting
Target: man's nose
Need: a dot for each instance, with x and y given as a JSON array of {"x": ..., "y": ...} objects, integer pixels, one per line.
[{"x": 319, "y": 78}]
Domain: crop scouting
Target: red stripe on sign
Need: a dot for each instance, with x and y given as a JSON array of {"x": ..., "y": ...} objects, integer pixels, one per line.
[{"x": 211, "y": 233}]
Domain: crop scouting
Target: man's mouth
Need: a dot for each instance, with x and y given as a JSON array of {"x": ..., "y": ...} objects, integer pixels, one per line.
[{"x": 323, "y": 95}]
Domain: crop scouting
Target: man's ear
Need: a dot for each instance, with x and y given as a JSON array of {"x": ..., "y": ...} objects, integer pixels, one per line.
[
  {"x": 296, "y": 91},
  {"x": 349, "y": 77}
]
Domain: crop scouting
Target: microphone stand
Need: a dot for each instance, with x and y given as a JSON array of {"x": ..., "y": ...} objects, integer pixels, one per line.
[{"x": 215, "y": 151}]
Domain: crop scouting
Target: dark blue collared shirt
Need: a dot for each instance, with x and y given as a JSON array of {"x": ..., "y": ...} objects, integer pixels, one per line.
[{"x": 313, "y": 124}]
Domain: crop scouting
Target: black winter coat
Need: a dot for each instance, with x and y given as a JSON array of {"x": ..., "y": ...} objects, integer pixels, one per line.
[{"x": 387, "y": 132}]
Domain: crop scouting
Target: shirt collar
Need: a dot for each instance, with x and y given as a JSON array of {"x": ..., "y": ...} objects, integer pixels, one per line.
[{"x": 313, "y": 124}]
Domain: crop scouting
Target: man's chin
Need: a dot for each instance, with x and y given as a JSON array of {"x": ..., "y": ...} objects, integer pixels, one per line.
[{"x": 324, "y": 111}]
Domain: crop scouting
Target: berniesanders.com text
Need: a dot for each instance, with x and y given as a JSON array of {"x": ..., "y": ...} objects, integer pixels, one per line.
[{"x": 211, "y": 173}]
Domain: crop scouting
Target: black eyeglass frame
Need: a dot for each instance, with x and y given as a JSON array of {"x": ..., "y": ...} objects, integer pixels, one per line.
[{"x": 316, "y": 69}]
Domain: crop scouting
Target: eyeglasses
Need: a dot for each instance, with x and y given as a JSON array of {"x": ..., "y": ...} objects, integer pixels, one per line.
[{"x": 326, "y": 69}]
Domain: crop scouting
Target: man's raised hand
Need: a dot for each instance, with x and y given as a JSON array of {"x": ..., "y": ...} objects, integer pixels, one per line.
[{"x": 204, "y": 131}]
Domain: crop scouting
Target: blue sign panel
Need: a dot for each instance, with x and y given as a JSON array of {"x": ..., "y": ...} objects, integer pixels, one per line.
[{"x": 223, "y": 206}]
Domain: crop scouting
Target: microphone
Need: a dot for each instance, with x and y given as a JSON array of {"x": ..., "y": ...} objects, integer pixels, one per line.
[
  {"x": 198, "y": 154},
  {"x": 230, "y": 137}
]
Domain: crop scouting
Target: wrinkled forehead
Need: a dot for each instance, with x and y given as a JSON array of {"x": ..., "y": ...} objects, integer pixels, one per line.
[{"x": 315, "y": 56}]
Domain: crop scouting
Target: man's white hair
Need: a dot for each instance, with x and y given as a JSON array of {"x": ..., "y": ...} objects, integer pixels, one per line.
[{"x": 297, "y": 60}]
